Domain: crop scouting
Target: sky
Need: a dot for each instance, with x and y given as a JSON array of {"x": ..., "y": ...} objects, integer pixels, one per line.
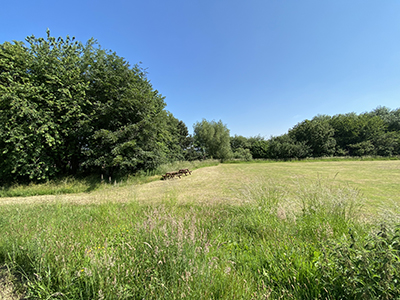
[{"x": 260, "y": 66}]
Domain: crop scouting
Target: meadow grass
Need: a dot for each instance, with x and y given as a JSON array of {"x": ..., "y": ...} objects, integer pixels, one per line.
[
  {"x": 268, "y": 231},
  {"x": 71, "y": 185},
  {"x": 377, "y": 181}
]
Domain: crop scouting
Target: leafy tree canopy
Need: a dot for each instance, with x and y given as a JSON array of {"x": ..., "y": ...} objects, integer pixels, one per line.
[
  {"x": 317, "y": 134},
  {"x": 212, "y": 139},
  {"x": 66, "y": 107}
]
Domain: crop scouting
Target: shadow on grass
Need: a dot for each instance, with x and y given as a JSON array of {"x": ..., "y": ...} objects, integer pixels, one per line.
[
  {"x": 90, "y": 183},
  {"x": 72, "y": 185}
]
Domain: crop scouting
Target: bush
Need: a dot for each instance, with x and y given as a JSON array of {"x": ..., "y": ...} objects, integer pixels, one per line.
[{"x": 243, "y": 154}]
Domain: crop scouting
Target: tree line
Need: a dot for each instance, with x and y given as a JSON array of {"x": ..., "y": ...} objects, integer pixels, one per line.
[
  {"x": 371, "y": 133},
  {"x": 68, "y": 108}
]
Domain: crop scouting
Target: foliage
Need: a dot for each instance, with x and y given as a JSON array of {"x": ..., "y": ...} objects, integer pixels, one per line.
[
  {"x": 390, "y": 117},
  {"x": 212, "y": 139},
  {"x": 317, "y": 134},
  {"x": 387, "y": 144},
  {"x": 243, "y": 154},
  {"x": 239, "y": 141},
  {"x": 128, "y": 117},
  {"x": 68, "y": 108},
  {"x": 373, "y": 133},
  {"x": 284, "y": 147},
  {"x": 259, "y": 149},
  {"x": 352, "y": 129},
  {"x": 361, "y": 149},
  {"x": 42, "y": 108},
  {"x": 257, "y": 146}
]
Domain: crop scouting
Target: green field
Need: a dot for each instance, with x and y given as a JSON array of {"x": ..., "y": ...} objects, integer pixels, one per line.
[
  {"x": 268, "y": 230},
  {"x": 377, "y": 181}
]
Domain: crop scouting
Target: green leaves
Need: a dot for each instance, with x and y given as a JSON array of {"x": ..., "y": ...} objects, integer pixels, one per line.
[
  {"x": 66, "y": 108},
  {"x": 317, "y": 134},
  {"x": 44, "y": 108},
  {"x": 212, "y": 139}
]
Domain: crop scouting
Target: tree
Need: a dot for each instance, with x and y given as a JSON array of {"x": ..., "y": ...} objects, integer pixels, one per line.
[
  {"x": 184, "y": 138},
  {"x": 42, "y": 100},
  {"x": 131, "y": 131},
  {"x": 362, "y": 148},
  {"x": 242, "y": 154},
  {"x": 388, "y": 144},
  {"x": 240, "y": 146},
  {"x": 317, "y": 134},
  {"x": 359, "y": 131},
  {"x": 373, "y": 133},
  {"x": 390, "y": 117},
  {"x": 177, "y": 138},
  {"x": 212, "y": 139},
  {"x": 258, "y": 147},
  {"x": 67, "y": 108},
  {"x": 238, "y": 142},
  {"x": 284, "y": 147}
]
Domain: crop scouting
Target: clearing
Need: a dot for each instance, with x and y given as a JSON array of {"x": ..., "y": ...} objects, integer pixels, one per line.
[{"x": 378, "y": 182}]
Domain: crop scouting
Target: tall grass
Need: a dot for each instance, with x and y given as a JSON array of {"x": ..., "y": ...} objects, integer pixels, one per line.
[
  {"x": 308, "y": 245},
  {"x": 67, "y": 185}
]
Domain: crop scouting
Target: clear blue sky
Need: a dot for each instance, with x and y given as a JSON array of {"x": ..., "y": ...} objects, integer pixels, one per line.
[{"x": 261, "y": 66}]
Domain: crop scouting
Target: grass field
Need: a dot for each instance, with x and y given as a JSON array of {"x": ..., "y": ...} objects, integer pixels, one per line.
[
  {"x": 378, "y": 182},
  {"x": 294, "y": 230}
]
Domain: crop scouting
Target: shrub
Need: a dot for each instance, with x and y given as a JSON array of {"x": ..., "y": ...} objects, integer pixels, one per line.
[{"x": 243, "y": 154}]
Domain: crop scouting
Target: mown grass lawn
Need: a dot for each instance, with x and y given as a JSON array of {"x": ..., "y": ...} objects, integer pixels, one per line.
[
  {"x": 378, "y": 181},
  {"x": 298, "y": 230}
]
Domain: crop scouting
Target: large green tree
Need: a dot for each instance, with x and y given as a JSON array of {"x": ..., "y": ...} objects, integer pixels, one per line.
[
  {"x": 390, "y": 117},
  {"x": 127, "y": 115},
  {"x": 257, "y": 147},
  {"x": 42, "y": 103},
  {"x": 355, "y": 134},
  {"x": 285, "y": 147},
  {"x": 66, "y": 107},
  {"x": 317, "y": 134},
  {"x": 212, "y": 139}
]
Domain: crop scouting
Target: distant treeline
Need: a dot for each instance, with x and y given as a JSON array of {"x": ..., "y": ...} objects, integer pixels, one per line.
[
  {"x": 68, "y": 108},
  {"x": 372, "y": 133}
]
